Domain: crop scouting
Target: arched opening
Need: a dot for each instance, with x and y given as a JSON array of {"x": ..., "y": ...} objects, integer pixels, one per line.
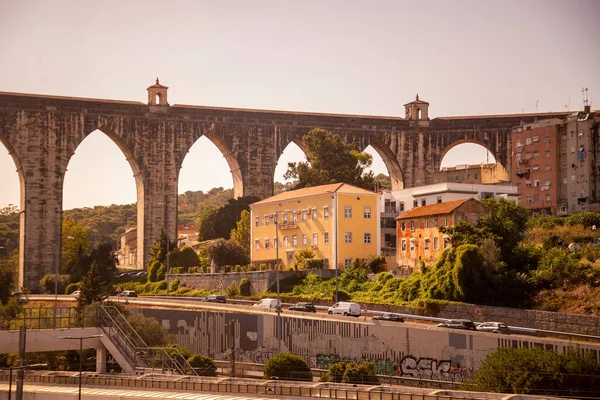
[
  {"x": 11, "y": 202},
  {"x": 469, "y": 161},
  {"x": 418, "y": 113},
  {"x": 292, "y": 153},
  {"x": 208, "y": 170},
  {"x": 157, "y": 99},
  {"x": 385, "y": 163},
  {"x": 103, "y": 190}
]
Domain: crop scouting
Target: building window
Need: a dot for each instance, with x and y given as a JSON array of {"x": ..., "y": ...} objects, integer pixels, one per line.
[
  {"x": 403, "y": 244},
  {"x": 426, "y": 222},
  {"x": 412, "y": 245},
  {"x": 347, "y": 261},
  {"x": 436, "y": 243},
  {"x": 426, "y": 244},
  {"x": 294, "y": 240},
  {"x": 285, "y": 241},
  {"x": 548, "y": 197},
  {"x": 536, "y": 182},
  {"x": 401, "y": 204},
  {"x": 547, "y": 139},
  {"x": 445, "y": 221},
  {"x": 304, "y": 215},
  {"x": 267, "y": 220},
  {"x": 256, "y": 221},
  {"x": 347, "y": 237},
  {"x": 367, "y": 212},
  {"x": 412, "y": 226},
  {"x": 423, "y": 202},
  {"x": 439, "y": 199},
  {"x": 528, "y": 184},
  {"x": 435, "y": 222},
  {"x": 367, "y": 238},
  {"x": 285, "y": 218},
  {"x": 314, "y": 213},
  {"x": 547, "y": 167},
  {"x": 304, "y": 239},
  {"x": 267, "y": 243},
  {"x": 536, "y": 139},
  {"x": 257, "y": 244},
  {"x": 446, "y": 242},
  {"x": 528, "y": 140},
  {"x": 295, "y": 216},
  {"x": 536, "y": 198},
  {"x": 326, "y": 212},
  {"x": 536, "y": 154},
  {"x": 527, "y": 156},
  {"x": 315, "y": 239},
  {"x": 415, "y": 203},
  {"x": 403, "y": 226},
  {"x": 347, "y": 211},
  {"x": 326, "y": 237},
  {"x": 547, "y": 153}
]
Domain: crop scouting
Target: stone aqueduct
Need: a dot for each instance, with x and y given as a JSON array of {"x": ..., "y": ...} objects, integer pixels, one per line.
[{"x": 42, "y": 133}]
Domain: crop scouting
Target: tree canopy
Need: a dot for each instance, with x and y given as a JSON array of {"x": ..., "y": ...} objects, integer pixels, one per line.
[
  {"x": 219, "y": 222},
  {"x": 330, "y": 160},
  {"x": 241, "y": 233}
]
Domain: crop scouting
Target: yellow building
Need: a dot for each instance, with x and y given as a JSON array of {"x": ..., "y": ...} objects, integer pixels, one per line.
[{"x": 339, "y": 222}]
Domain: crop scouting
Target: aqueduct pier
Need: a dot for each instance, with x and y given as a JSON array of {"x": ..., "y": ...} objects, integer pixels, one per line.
[{"x": 42, "y": 133}]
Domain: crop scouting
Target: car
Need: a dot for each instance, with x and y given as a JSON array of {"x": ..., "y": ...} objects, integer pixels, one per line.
[
  {"x": 304, "y": 307},
  {"x": 267, "y": 303},
  {"x": 128, "y": 293},
  {"x": 389, "y": 317},
  {"x": 76, "y": 293},
  {"x": 458, "y": 324},
  {"x": 345, "y": 308},
  {"x": 494, "y": 327},
  {"x": 213, "y": 298}
]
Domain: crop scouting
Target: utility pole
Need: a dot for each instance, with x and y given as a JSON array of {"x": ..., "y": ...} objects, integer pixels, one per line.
[{"x": 232, "y": 347}]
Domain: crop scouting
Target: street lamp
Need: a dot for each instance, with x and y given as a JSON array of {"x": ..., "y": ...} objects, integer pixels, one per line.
[
  {"x": 334, "y": 211},
  {"x": 279, "y": 328},
  {"x": 10, "y": 374},
  {"x": 80, "y": 338}
]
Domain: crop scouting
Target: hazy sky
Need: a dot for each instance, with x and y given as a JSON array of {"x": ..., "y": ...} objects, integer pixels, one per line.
[{"x": 355, "y": 57}]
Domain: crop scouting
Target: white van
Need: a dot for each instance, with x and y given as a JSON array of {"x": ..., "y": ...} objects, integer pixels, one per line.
[
  {"x": 267, "y": 303},
  {"x": 345, "y": 308}
]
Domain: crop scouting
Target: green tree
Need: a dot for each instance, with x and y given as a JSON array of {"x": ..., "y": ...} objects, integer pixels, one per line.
[
  {"x": 158, "y": 252},
  {"x": 90, "y": 289},
  {"x": 74, "y": 243},
  {"x": 220, "y": 222},
  {"x": 203, "y": 365},
  {"x": 241, "y": 233},
  {"x": 538, "y": 371},
  {"x": 7, "y": 280},
  {"x": 330, "y": 160},
  {"x": 382, "y": 182},
  {"x": 226, "y": 252},
  {"x": 149, "y": 329},
  {"x": 287, "y": 366},
  {"x": 302, "y": 255},
  {"x": 185, "y": 257}
]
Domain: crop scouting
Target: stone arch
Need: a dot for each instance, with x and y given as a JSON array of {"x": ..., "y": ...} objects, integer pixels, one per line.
[
  {"x": 21, "y": 176},
  {"x": 234, "y": 166},
  {"x": 297, "y": 141},
  {"x": 391, "y": 163},
  {"x": 463, "y": 141}
]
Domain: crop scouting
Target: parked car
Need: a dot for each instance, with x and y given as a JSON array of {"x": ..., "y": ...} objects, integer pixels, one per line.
[
  {"x": 345, "y": 308},
  {"x": 458, "y": 324},
  {"x": 213, "y": 298},
  {"x": 389, "y": 317},
  {"x": 128, "y": 293},
  {"x": 267, "y": 303},
  {"x": 494, "y": 327},
  {"x": 304, "y": 307},
  {"x": 76, "y": 293}
]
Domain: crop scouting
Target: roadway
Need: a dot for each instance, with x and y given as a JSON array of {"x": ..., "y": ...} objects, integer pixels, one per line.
[{"x": 245, "y": 306}]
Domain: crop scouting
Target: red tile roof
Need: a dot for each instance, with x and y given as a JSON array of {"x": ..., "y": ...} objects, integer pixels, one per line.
[{"x": 434, "y": 209}]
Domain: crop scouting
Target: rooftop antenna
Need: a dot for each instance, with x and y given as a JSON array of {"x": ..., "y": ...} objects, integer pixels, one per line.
[{"x": 584, "y": 94}]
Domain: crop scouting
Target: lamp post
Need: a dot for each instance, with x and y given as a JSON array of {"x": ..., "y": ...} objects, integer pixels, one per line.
[
  {"x": 10, "y": 374},
  {"x": 334, "y": 211},
  {"x": 279, "y": 327},
  {"x": 80, "y": 338}
]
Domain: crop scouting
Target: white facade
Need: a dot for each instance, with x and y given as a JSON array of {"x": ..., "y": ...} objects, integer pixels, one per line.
[{"x": 394, "y": 203}]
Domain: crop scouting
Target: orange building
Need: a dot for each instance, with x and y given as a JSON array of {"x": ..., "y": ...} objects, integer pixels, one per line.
[{"x": 418, "y": 235}]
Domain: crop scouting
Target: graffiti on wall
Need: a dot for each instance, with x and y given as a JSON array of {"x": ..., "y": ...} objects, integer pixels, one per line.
[{"x": 409, "y": 366}]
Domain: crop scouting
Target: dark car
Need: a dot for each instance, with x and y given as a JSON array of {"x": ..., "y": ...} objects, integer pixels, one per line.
[
  {"x": 213, "y": 298},
  {"x": 389, "y": 317},
  {"x": 494, "y": 327},
  {"x": 458, "y": 324},
  {"x": 304, "y": 307}
]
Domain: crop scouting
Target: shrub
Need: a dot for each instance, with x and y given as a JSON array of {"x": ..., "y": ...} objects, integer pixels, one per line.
[
  {"x": 335, "y": 373},
  {"x": 195, "y": 270},
  {"x": 376, "y": 264},
  {"x": 312, "y": 263},
  {"x": 342, "y": 296},
  {"x": 287, "y": 366},
  {"x": 174, "y": 285},
  {"x": 351, "y": 372},
  {"x": 153, "y": 271},
  {"x": 149, "y": 329},
  {"x": 160, "y": 275},
  {"x": 71, "y": 288},
  {"x": 233, "y": 290},
  {"x": 245, "y": 287},
  {"x": 185, "y": 257},
  {"x": 47, "y": 282},
  {"x": 203, "y": 365}
]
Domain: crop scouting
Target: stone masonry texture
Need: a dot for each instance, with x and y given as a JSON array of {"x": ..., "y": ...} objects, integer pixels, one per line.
[{"x": 42, "y": 133}]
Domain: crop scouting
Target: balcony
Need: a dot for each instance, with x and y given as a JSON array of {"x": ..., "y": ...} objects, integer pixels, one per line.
[{"x": 288, "y": 225}]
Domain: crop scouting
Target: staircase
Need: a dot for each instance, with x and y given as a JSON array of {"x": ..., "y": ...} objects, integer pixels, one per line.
[{"x": 135, "y": 355}]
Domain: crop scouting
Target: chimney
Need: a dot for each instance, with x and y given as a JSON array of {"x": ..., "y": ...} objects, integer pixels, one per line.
[{"x": 587, "y": 109}]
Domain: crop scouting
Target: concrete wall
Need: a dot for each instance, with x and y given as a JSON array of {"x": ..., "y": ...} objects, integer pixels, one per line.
[{"x": 403, "y": 349}]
